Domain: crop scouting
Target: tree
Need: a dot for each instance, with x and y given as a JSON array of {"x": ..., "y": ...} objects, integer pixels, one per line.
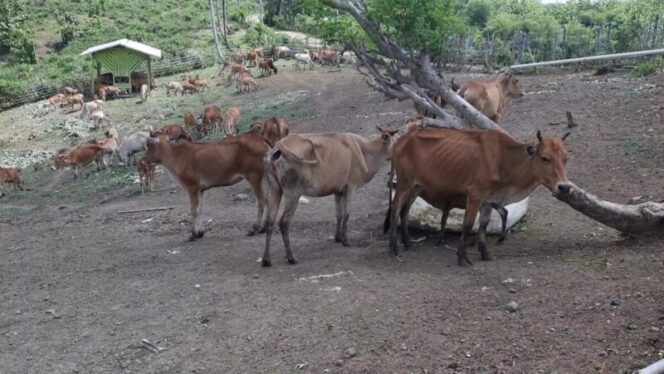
[
  {"x": 478, "y": 12},
  {"x": 220, "y": 54},
  {"x": 410, "y": 75},
  {"x": 13, "y": 35}
]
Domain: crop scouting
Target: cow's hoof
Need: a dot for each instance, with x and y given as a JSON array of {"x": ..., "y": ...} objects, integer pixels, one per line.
[
  {"x": 338, "y": 239},
  {"x": 501, "y": 240},
  {"x": 266, "y": 263},
  {"x": 292, "y": 261},
  {"x": 196, "y": 235}
]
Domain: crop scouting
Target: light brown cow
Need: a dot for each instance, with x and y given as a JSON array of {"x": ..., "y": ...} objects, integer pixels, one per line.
[
  {"x": 320, "y": 165},
  {"x": 252, "y": 58},
  {"x": 55, "y": 100},
  {"x": 239, "y": 57},
  {"x": 201, "y": 166},
  {"x": 189, "y": 88},
  {"x": 174, "y": 87},
  {"x": 73, "y": 100},
  {"x": 10, "y": 176},
  {"x": 329, "y": 56},
  {"x": 190, "y": 122},
  {"x": 173, "y": 132},
  {"x": 273, "y": 129},
  {"x": 480, "y": 167},
  {"x": 80, "y": 157},
  {"x": 489, "y": 96},
  {"x": 201, "y": 84},
  {"x": 236, "y": 71},
  {"x": 144, "y": 92},
  {"x": 69, "y": 91},
  {"x": 232, "y": 121},
  {"x": 114, "y": 91},
  {"x": 259, "y": 52},
  {"x": 111, "y": 147},
  {"x": 267, "y": 66},
  {"x": 146, "y": 175},
  {"x": 212, "y": 118},
  {"x": 245, "y": 82}
]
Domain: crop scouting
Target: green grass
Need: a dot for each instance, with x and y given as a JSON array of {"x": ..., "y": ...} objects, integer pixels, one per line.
[{"x": 648, "y": 67}]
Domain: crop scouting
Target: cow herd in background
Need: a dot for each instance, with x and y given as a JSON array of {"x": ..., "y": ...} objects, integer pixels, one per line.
[{"x": 475, "y": 171}]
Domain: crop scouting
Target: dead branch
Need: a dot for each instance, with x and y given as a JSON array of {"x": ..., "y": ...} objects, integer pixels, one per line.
[
  {"x": 570, "y": 120},
  {"x": 147, "y": 209}
]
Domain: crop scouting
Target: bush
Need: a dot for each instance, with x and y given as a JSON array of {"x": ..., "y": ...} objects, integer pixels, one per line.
[
  {"x": 648, "y": 67},
  {"x": 260, "y": 34}
]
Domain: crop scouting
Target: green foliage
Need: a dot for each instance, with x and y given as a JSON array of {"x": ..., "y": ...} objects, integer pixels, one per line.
[
  {"x": 648, "y": 67},
  {"x": 259, "y": 34},
  {"x": 67, "y": 25},
  {"x": 478, "y": 12}
]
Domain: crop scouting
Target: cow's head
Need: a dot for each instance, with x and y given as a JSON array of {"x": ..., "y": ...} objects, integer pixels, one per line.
[
  {"x": 549, "y": 159},
  {"x": 155, "y": 148},
  {"x": 511, "y": 85},
  {"x": 387, "y": 136}
]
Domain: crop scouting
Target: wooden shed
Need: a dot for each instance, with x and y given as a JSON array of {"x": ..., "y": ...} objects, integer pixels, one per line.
[{"x": 120, "y": 59}]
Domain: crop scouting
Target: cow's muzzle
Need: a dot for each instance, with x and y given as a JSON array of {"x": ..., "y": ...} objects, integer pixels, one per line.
[{"x": 563, "y": 188}]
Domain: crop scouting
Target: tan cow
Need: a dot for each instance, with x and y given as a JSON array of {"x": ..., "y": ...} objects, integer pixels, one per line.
[
  {"x": 245, "y": 82},
  {"x": 273, "y": 129},
  {"x": 201, "y": 166},
  {"x": 489, "y": 96},
  {"x": 144, "y": 92},
  {"x": 10, "y": 176},
  {"x": 73, "y": 100},
  {"x": 146, "y": 175},
  {"x": 232, "y": 121},
  {"x": 252, "y": 58},
  {"x": 173, "y": 132},
  {"x": 190, "y": 122},
  {"x": 80, "y": 157},
  {"x": 189, "y": 88},
  {"x": 320, "y": 165},
  {"x": 267, "y": 66},
  {"x": 480, "y": 167},
  {"x": 213, "y": 118},
  {"x": 173, "y": 86},
  {"x": 236, "y": 71},
  {"x": 329, "y": 56},
  {"x": 55, "y": 100}
]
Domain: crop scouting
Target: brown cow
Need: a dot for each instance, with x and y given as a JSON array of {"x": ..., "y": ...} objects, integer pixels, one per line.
[
  {"x": 422, "y": 111},
  {"x": 10, "y": 176},
  {"x": 55, "y": 100},
  {"x": 236, "y": 71},
  {"x": 320, "y": 165},
  {"x": 244, "y": 83},
  {"x": 329, "y": 56},
  {"x": 252, "y": 58},
  {"x": 73, "y": 100},
  {"x": 201, "y": 166},
  {"x": 173, "y": 132},
  {"x": 480, "y": 167},
  {"x": 201, "y": 84},
  {"x": 80, "y": 157},
  {"x": 273, "y": 129},
  {"x": 189, "y": 88},
  {"x": 146, "y": 175},
  {"x": 232, "y": 121},
  {"x": 212, "y": 118},
  {"x": 489, "y": 96},
  {"x": 267, "y": 66},
  {"x": 259, "y": 52},
  {"x": 190, "y": 121}
]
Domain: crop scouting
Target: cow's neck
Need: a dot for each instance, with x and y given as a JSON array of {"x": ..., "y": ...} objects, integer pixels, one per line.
[
  {"x": 520, "y": 169},
  {"x": 375, "y": 153},
  {"x": 169, "y": 155}
]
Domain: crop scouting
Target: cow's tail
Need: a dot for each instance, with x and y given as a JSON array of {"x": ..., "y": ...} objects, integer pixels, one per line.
[{"x": 390, "y": 181}]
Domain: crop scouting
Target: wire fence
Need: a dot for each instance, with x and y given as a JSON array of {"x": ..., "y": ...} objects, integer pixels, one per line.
[{"x": 163, "y": 67}]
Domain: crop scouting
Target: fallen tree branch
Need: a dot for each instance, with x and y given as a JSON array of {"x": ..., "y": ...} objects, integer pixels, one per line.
[{"x": 147, "y": 209}]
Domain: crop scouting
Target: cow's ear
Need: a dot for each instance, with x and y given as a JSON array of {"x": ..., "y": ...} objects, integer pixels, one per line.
[
  {"x": 531, "y": 150},
  {"x": 565, "y": 136},
  {"x": 393, "y": 132}
]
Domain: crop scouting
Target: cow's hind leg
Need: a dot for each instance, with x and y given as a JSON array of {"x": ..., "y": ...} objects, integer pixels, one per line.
[
  {"x": 404, "y": 188},
  {"x": 196, "y": 200},
  {"x": 443, "y": 223},
  {"x": 503, "y": 228},
  {"x": 256, "y": 185},
  {"x": 485, "y": 217},
  {"x": 274, "y": 193},
  {"x": 341, "y": 203},
  {"x": 403, "y": 219},
  {"x": 472, "y": 207},
  {"x": 290, "y": 205}
]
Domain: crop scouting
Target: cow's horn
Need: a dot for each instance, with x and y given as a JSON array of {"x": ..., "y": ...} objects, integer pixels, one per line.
[{"x": 566, "y": 135}]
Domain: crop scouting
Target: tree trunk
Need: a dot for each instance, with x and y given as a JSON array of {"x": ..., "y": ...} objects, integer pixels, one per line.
[
  {"x": 220, "y": 54},
  {"x": 646, "y": 217},
  {"x": 224, "y": 28}
]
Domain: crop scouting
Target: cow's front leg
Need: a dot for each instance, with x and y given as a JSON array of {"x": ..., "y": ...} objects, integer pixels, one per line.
[{"x": 196, "y": 200}]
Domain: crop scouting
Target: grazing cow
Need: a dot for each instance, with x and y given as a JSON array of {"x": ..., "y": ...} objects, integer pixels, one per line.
[
  {"x": 174, "y": 132},
  {"x": 489, "y": 96},
  {"x": 174, "y": 87},
  {"x": 252, "y": 58},
  {"x": 80, "y": 157},
  {"x": 146, "y": 175},
  {"x": 189, "y": 88},
  {"x": 239, "y": 57},
  {"x": 110, "y": 146},
  {"x": 73, "y": 100},
  {"x": 69, "y": 91},
  {"x": 201, "y": 166},
  {"x": 113, "y": 91},
  {"x": 202, "y": 84},
  {"x": 213, "y": 118},
  {"x": 304, "y": 59},
  {"x": 131, "y": 145},
  {"x": 320, "y": 165},
  {"x": 329, "y": 56},
  {"x": 480, "y": 167},
  {"x": 245, "y": 82},
  {"x": 90, "y": 107},
  {"x": 10, "y": 176},
  {"x": 267, "y": 66},
  {"x": 281, "y": 51},
  {"x": 273, "y": 129},
  {"x": 55, "y": 100},
  {"x": 144, "y": 92},
  {"x": 236, "y": 71},
  {"x": 232, "y": 121},
  {"x": 349, "y": 58}
]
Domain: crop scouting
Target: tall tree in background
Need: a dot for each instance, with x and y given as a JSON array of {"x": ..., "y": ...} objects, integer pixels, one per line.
[
  {"x": 224, "y": 26},
  {"x": 213, "y": 21}
]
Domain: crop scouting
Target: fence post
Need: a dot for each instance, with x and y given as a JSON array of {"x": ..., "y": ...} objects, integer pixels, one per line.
[
  {"x": 524, "y": 43},
  {"x": 564, "y": 46},
  {"x": 554, "y": 45},
  {"x": 598, "y": 36},
  {"x": 654, "y": 32},
  {"x": 608, "y": 38}
]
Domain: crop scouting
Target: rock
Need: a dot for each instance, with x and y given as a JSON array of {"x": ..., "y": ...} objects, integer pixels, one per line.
[
  {"x": 616, "y": 302},
  {"x": 512, "y": 290},
  {"x": 339, "y": 362},
  {"x": 404, "y": 347},
  {"x": 512, "y": 306},
  {"x": 304, "y": 200},
  {"x": 350, "y": 352},
  {"x": 241, "y": 197},
  {"x": 197, "y": 285},
  {"x": 205, "y": 320},
  {"x": 508, "y": 280},
  {"x": 255, "y": 276}
]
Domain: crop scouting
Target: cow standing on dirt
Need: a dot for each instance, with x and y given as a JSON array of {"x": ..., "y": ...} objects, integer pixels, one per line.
[
  {"x": 320, "y": 165},
  {"x": 80, "y": 157},
  {"x": 489, "y": 96},
  {"x": 480, "y": 167},
  {"x": 201, "y": 166}
]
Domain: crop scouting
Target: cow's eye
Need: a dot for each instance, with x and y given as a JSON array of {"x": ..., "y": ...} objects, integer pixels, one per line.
[{"x": 545, "y": 159}]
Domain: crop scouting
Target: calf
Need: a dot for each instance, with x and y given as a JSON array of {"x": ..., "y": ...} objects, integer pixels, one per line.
[
  {"x": 304, "y": 59},
  {"x": 245, "y": 82},
  {"x": 232, "y": 121},
  {"x": 55, "y": 100},
  {"x": 10, "y": 176},
  {"x": 212, "y": 118},
  {"x": 489, "y": 97},
  {"x": 80, "y": 157},
  {"x": 320, "y": 165},
  {"x": 190, "y": 121},
  {"x": 273, "y": 129},
  {"x": 146, "y": 175},
  {"x": 90, "y": 107},
  {"x": 189, "y": 88},
  {"x": 73, "y": 100},
  {"x": 267, "y": 66},
  {"x": 201, "y": 166},
  {"x": 473, "y": 169}
]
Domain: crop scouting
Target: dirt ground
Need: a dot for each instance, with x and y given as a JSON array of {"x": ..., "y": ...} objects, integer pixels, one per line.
[{"x": 82, "y": 284}]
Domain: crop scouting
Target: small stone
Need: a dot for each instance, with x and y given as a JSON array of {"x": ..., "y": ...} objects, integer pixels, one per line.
[
  {"x": 603, "y": 354},
  {"x": 508, "y": 280},
  {"x": 467, "y": 354},
  {"x": 454, "y": 365},
  {"x": 339, "y": 362},
  {"x": 197, "y": 285},
  {"x": 512, "y": 290},
  {"x": 632, "y": 327},
  {"x": 304, "y": 200},
  {"x": 241, "y": 197},
  {"x": 255, "y": 276},
  {"x": 404, "y": 347},
  {"x": 616, "y": 302},
  {"x": 205, "y": 320},
  {"x": 350, "y": 352},
  {"x": 654, "y": 328},
  {"x": 512, "y": 306}
]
